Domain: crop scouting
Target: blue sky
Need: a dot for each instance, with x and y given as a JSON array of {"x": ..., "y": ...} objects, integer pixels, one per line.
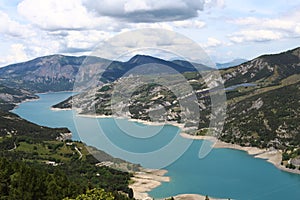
[{"x": 225, "y": 29}]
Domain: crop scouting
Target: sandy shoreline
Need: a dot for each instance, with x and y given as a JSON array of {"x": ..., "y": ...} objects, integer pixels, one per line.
[
  {"x": 146, "y": 180},
  {"x": 131, "y": 119},
  {"x": 272, "y": 156},
  {"x": 193, "y": 197},
  {"x": 149, "y": 179},
  {"x": 60, "y": 109},
  {"x": 27, "y": 100}
]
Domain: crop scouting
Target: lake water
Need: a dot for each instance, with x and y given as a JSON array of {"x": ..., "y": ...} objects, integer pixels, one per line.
[{"x": 223, "y": 173}]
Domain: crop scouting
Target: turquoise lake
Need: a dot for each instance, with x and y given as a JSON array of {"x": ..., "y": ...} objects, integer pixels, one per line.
[{"x": 224, "y": 173}]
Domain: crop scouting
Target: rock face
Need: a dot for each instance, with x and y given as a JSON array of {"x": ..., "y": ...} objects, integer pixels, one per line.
[
  {"x": 64, "y": 136},
  {"x": 266, "y": 69},
  {"x": 296, "y": 161},
  {"x": 9, "y": 97}
]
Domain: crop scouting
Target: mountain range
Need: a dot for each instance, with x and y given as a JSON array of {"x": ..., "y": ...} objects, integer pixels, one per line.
[
  {"x": 262, "y": 94},
  {"x": 58, "y": 72}
]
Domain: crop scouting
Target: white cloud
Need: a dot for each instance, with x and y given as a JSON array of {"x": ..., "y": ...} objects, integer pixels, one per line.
[
  {"x": 76, "y": 26},
  {"x": 16, "y": 53},
  {"x": 51, "y": 14},
  {"x": 281, "y": 24},
  {"x": 84, "y": 40},
  {"x": 158, "y": 40},
  {"x": 161, "y": 25},
  {"x": 189, "y": 24},
  {"x": 12, "y": 28},
  {"x": 212, "y": 42},
  {"x": 44, "y": 44},
  {"x": 297, "y": 29},
  {"x": 266, "y": 29},
  {"x": 214, "y": 4},
  {"x": 135, "y": 5},
  {"x": 146, "y": 10},
  {"x": 64, "y": 15},
  {"x": 255, "y": 36}
]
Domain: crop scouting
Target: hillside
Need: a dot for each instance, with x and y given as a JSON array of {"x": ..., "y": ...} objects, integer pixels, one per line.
[
  {"x": 265, "y": 70},
  {"x": 264, "y": 112},
  {"x": 38, "y": 162},
  {"x": 269, "y": 118},
  {"x": 44, "y": 154}
]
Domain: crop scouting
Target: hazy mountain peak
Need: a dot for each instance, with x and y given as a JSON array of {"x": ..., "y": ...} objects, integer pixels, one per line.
[
  {"x": 232, "y": 63},
  {"x": 142, "y": 59}
]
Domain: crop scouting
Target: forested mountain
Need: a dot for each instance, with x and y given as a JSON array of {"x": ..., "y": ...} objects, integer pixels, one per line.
[{"x": 265, "y": 70}]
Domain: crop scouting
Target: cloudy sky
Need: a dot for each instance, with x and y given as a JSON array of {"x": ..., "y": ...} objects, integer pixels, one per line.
[{"x": 225, "y": 29}]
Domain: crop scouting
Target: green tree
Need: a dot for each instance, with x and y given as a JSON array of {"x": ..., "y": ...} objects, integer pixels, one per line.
[{"x": 94, "y": 194}]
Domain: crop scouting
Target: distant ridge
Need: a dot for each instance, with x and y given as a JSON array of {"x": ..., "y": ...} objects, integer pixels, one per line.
[
  {"x": 233, "y": 63},
  {"x": 117, "y": 69}
]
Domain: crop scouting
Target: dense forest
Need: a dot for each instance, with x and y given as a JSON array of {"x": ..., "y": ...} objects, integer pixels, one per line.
[
  {"x": 20, "y": 180},
  {"x": 36, "y": 162}
]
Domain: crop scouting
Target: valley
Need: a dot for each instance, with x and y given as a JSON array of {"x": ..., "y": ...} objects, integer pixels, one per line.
[{"x": 262, "y": 97}]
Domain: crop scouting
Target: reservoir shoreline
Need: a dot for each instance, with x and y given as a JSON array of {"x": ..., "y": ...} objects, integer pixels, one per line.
[
  {"x": 272, "y": 156},
  {"x": 149, "y": 181},
  {"x": 156, "y": 179}
]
